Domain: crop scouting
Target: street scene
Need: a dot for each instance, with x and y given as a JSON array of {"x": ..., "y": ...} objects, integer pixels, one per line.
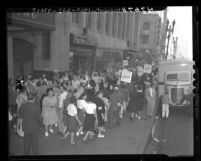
[{"x": 100, "y": 82}]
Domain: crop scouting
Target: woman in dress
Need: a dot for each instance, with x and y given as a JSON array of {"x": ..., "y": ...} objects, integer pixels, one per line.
[
  {"x": 72, "y": 119},
  {"x": 90, "y": 117},
  {"x": 80, "y": 104},
  {"x": 20, "y": 100},
  {"x": 139, "y": 100},
  {"x": 100, "y": 110},
  {"x": 49, "y": 113},
  {"x": 131, "y": 108}
]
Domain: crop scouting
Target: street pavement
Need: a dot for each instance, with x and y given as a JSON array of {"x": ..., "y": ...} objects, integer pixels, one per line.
[
  {"x": 177, "y": 130},
  {"x": 130, "y": 138}
]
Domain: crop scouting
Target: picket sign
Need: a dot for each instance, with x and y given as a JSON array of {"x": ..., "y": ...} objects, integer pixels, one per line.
[
  {"x": 126, "y": 76},
  {"x": 140, "y": 71},
  {"x": 147, "y": 68}
]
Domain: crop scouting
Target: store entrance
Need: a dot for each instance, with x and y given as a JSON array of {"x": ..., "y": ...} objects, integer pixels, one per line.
[
  {"x": 82, "y": 64},
  {"x": 22, "y": 57}
]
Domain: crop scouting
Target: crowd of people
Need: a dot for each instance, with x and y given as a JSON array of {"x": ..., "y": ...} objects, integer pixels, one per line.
[{"x": 76, "y": 104}]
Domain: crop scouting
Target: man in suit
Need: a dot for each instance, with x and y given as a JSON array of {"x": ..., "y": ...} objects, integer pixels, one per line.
[
  {"x": 115, "y": 105},
  {"x": 31, "y": 118},
  {"x": 150, "y": 95}
]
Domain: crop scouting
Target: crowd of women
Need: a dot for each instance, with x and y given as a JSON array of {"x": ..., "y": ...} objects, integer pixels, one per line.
[{"x": 82, "y": 104}]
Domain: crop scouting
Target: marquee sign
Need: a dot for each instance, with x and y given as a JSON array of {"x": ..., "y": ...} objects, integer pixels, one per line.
[{"x": 82, "y": 40}]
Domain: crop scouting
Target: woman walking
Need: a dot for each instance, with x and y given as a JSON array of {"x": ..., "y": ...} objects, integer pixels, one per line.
[
  {"x": 49, "y": 113},
  {"x": 100, "y": 110},
  {"x": 90, "y": 117},
  {"x": 80, "y": 107},
  {"x": 72, "y": 119},
  {"x": 131, "y": 108}
]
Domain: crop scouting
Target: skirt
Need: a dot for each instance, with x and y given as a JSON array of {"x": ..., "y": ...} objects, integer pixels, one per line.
[
  {"x": 101, "y": 122},
  {"x": 81, "y": 116},
  {"x": 71, "y": 124},
  {"x": 50, "y": 116},
  {"x": 89, "y": 122}
]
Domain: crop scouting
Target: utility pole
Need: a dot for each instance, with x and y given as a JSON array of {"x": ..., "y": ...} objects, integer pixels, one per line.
[
  {"x": 170, "y": 31},
  {"x": 175, "y": 47}
]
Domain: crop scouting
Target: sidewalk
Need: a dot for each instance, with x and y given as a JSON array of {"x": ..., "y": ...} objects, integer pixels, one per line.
[{"x": 130, "y": 138}]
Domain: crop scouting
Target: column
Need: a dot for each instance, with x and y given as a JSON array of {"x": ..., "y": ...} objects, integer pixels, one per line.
[
  {"x": 124, "y": 26},
  {"x": 10, "y": 56},
  {"x": 82, "y": 19},
  {"x": 93, "y": 21},
  {"x": 130, "y": 27},
  {"x": 115, "y": 24},
  {"x": 110, "y": 23},
  {"x": 120, "y": 25},
  {"x": 103, "y": 14}
]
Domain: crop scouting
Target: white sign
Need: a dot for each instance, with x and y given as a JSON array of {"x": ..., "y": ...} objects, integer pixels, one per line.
[
  {"x": 140, "y": 71},
  {"x": 125, "y": 62},
  {"x": 126, "y": 76},
  {"x": 147, "y": 68}
]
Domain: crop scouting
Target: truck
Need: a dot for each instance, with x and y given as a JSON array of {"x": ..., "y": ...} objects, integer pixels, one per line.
[{"x": 176, "y": 76}]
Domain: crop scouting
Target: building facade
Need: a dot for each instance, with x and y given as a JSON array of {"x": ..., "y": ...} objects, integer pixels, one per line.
[
  {"x": 37, "y": 43},
  {"x": 150, "y": 34},
  {"x": 79, "y": 41},
  {"x": 102, "y": 38}
]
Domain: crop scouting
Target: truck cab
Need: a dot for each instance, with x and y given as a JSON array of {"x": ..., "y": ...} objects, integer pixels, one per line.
[{"x": 176, "y": 76}]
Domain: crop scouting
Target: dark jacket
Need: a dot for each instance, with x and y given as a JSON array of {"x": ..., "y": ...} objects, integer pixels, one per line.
[{"x": 31, "y": 116}]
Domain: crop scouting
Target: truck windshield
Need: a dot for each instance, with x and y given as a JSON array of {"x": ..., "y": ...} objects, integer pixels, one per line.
[{"x": 178, "y": 77}]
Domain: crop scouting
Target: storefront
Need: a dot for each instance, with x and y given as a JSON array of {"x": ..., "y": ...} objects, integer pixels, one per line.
[
  {"x": 28, "y": 41},
  {"x": 108, "y": 58},
  {"x": 83, "y": 49}
]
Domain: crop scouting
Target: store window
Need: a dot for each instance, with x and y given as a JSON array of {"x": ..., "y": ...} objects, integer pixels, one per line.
[
  {"x": 146, "y": 25},
  {"x": 75, "y": 17},
  {"x": 144, "y": 39}
]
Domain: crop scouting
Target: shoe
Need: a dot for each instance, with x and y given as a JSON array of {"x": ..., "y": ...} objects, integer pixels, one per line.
[
  {"x": 46, "y": 134},
  {"x": 77, "y": 134},
  {"x": 51, "y": 130},
  {"x": 55, "y": 125},
  {"x": 100, "y": 136},
  {"x": 81, "y": 133},
  {"x": 103, "y": 130},
  {"x": 73, "y": 143},
  {"x": 139, "y": 118}
]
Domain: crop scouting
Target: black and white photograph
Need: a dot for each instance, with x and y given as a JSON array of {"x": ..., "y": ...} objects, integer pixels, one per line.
[{"x": 100, "y": 82}]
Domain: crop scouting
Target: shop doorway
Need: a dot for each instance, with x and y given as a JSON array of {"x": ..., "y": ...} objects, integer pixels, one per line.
[
  {"x": 22, "y": 57},
  {"x": 82, "y": 64}
]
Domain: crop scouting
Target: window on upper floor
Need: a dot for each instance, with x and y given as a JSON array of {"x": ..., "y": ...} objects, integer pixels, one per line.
[
  {"x": 75, "y": 17},
  {"x": 146, "y": 25},
  {"x": 145, "y": 39}
]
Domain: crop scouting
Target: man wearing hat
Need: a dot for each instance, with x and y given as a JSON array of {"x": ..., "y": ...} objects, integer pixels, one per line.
[
  {"x": 115, "y": 105},
  {"x": 31, "y": 118}
]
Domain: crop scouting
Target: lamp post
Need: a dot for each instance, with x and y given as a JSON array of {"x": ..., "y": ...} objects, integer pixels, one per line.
[
  {"x": 175, "y": 46},
  {"x": 169, "y": 31}
]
